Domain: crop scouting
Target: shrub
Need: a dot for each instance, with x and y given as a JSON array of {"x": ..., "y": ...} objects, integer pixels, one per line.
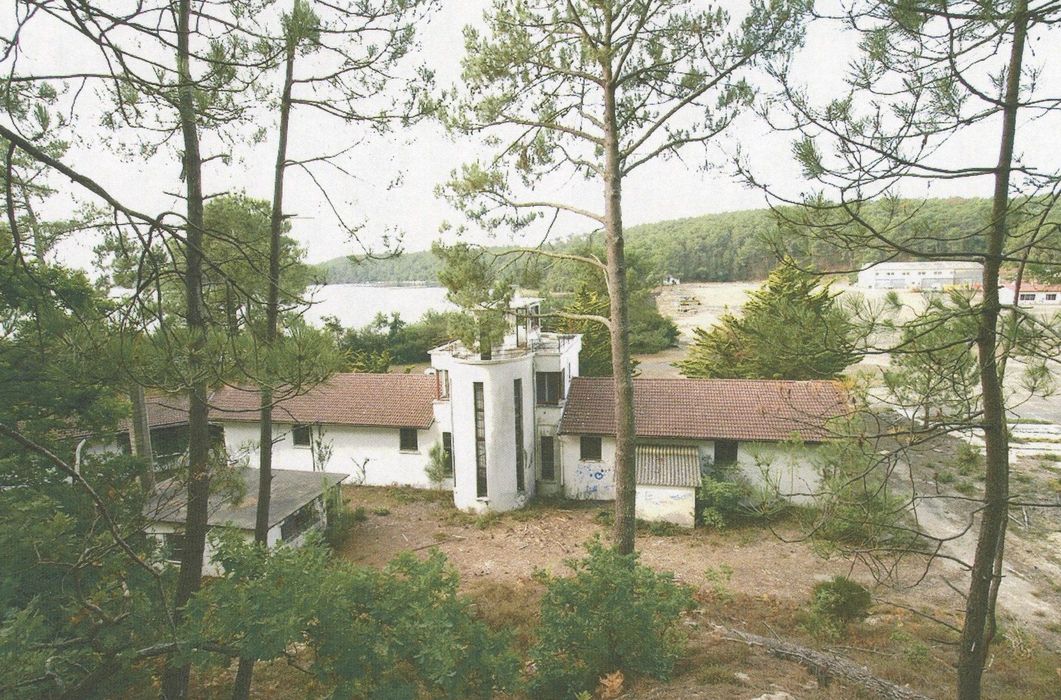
[
  {"x": 857, "y": 507},
  {"x": 437, "y": 465},
  {"x": 837, "y": 602},
  {"x": 613, "y": 614},
  {"x": 400, "y": 632},
  {"x": 341, "y": 520},
  {"x": 968, "y": 459},
  {"x": 722, "y": 501}
]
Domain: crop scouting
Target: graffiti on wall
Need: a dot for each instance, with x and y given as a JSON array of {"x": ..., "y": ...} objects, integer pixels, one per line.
[{"x": 592, "y": 481}]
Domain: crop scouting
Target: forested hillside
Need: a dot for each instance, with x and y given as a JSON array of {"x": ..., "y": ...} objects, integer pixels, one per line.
[{"x": 722, "y": 247}]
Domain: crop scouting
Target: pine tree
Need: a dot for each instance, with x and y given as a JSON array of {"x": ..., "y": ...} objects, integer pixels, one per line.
[{"x": 791, "y": 328}]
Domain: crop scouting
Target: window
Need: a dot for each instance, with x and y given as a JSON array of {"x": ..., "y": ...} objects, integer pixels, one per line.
[
  {"x": 725, "y": 451},
  {"x": 298, "y": 522},
  {"x": 550, "y": 388},
  {"x": 480, "y": 439},
  {"x": 589, "y": 448},
  {"x": 169, "y": 442},
  {"x": 517, "y": 398},
  {"x": 173, "y": 546},
  {"x": 547, "y": 457},
  {"x": 407, "y": 440},
  {"x": 443, "y": 383},
  {"x": 447, "y": 451},
  {"x": 301, "y": 435},
  {"x": 1051, "y": 297}
]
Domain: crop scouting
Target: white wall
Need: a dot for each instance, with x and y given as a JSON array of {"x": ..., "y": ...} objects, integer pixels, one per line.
[
  {"x": 669, "y": 504},
  {"x": 374, "y": 449},
  {"x": 212, "y": 568},
  {"x": 587, "y": 480},
  {"x": 791, "y": 470},
  {"x": 497, "y": 377}
]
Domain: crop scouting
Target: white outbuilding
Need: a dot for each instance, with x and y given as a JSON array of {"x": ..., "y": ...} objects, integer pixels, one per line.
[
  {"x": 297, "y": 507},
  {"x": 922, "y": 275},
  {"x": 1031, "y": 294}
]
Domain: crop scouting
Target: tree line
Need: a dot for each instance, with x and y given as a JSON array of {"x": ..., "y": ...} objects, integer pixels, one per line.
[{"x": 727, "y": 247}]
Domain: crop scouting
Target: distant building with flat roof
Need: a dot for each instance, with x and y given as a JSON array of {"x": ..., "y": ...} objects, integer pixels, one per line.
[
  {"x": 933, "y": 275},
  {"x": 1031, "y": 294}
]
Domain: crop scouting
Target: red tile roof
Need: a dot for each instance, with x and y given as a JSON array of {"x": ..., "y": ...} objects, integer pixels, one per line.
[
  {"x": 383, "y": 400},
  {"x": 1034, "y": 287},
  {"x": 162, "y": 412},
  {"x": 705, "y": 409}
]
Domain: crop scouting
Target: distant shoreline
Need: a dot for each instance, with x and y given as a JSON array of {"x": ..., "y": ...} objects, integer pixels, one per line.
[{"x": 406, "y": 283}]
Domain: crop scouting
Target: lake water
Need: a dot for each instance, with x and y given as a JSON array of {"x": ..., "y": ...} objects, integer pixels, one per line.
[{"x": 356, "y": 305}]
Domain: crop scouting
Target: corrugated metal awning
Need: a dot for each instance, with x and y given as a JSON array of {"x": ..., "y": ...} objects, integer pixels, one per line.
[{"x": 668, "y": 465}]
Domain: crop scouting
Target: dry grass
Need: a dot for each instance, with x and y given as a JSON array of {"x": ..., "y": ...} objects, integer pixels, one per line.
[{"x": 513, "y": 607}]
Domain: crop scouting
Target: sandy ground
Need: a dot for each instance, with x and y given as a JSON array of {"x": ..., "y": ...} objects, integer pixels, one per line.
[
  {"x": 513, "y": 546},
  {"x": 769, "y": 580}
]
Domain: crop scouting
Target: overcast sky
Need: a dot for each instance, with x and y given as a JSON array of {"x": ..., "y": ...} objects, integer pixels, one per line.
[{"x": 423, "y": 156}]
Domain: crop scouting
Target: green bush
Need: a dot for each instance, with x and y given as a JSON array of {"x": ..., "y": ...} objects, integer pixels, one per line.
[
  {"x": 403, "y": 632},
  {"x": 341, "y": 520},
  {"x": 723, "y": 497},
  {"x": 968, "y": 459},
  {"x": 613, "y": 614},
  {"x": 837, "y": 602}
]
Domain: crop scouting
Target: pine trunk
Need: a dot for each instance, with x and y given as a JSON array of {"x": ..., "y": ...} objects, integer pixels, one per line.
[
  {"x": 175, "y": 679},
  {"x": 625, "y": 475},
  {"x": 978, "y": 629},
  {"x": 141, "y": 435},
  {"x": 245, "y": 672}
]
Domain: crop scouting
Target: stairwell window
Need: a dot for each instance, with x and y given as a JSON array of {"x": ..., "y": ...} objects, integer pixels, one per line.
[
  {"x": 549, "y": 388},
  {"x": 517, "y": 398},
  {"x": 547, "y": 457},
  {"x": 480, "y": 439}
]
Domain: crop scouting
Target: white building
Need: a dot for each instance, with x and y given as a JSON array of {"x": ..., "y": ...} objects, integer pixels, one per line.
[
  {"x": 518, "y": 420},
  {"x": 297, "y": 507},
  {"x": 924, "y": 276},
  {"x": 684, "y": 426},
  {"x": 1031, "y": 294},
  {"x": 376, "y": 428},
  {"x": 490, "y": 412}
]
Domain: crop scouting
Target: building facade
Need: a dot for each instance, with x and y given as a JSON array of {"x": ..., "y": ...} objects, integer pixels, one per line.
[
  {"x": 924, "y": 276},
  {"x": 1031, "y": 294},
  {"x": 498, "y": 427}
]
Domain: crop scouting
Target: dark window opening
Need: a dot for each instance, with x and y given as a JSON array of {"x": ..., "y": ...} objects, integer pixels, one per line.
[
  {"x": 480, "y": 439},
  {"x": 447, "y": 452},
  {"x": 549, "y": 388},
  {"x": 407, "y": 440},
  {"x": 517, "y": 396},
  {"x": 302, "y": 435},
  {"x": 298, "y": 522},
  {"x": 725, "y": 451},
  {"x": 173, "y": 546},
  {"x": 170, "y": 441},
  {"x": 590, "y": 448},
  {"x": 547, "y": 452}
]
